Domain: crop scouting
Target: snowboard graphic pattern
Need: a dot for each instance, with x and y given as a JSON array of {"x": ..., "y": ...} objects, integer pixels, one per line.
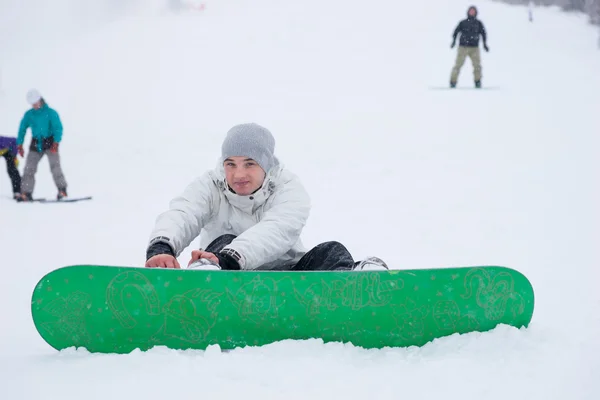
[{"x": 118, "y": 309}]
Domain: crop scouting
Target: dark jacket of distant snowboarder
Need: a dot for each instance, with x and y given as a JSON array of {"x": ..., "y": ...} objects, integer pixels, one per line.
[{"x": 470, "y": 29}]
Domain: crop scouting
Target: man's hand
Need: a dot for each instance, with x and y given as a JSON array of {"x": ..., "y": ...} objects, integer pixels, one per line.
[
  {"x": 486, "y": 48},
  {"x": 162, "y": 261},
  {"x": 54, "y": 147},
  {"x": 20, "y": 150},
  {"x": 198, "y": 254},
  {"x": 452, "y": 45}
]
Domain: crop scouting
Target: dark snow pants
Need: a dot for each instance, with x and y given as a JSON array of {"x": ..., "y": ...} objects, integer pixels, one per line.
[
  {"x": 326, "y": 256},
  {"x": 13, "y": 172}
]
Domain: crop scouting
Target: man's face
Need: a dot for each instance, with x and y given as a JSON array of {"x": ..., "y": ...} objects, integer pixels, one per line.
[
  {"x": 472, "y": 12},
  {"x": 243, "y": 175},
  {"x": 37, "y": 105}
]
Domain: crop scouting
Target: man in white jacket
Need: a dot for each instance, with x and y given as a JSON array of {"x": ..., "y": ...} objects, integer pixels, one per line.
[{"x": 249, "y": 212}]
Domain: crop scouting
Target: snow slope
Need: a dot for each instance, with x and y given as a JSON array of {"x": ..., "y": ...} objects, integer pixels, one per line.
[{"x": 420, "y": 177}]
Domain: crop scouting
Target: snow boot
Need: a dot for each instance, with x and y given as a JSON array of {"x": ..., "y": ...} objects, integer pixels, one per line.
[
  {"x": 452, "y": 85},
  {"x": 371, "y": 264},
  {"x": 25, "y": 197},
  {"x": 204, "y": 264},
  {"x": 62, "y": 193},
  {"x": 478, "y": 84}
]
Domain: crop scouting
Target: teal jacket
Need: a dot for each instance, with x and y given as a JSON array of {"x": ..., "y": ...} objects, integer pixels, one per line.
[{"x": 44, "y": 123}]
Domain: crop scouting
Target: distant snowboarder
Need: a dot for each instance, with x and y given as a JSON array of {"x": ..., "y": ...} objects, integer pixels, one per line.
[
  {"x": 469, "y": 30},
  {"x": 8, "y": 150},
  {"x": 249, "y": 212},
  {"x": 46, "y": 132},
  {"x": 530, "y": 11}
]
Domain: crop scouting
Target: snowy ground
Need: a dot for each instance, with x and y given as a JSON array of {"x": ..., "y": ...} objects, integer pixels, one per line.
[{"x": 420, "y": 177}]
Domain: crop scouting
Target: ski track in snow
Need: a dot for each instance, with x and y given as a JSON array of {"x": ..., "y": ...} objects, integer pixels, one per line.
[{"x": 421, "y": 178}]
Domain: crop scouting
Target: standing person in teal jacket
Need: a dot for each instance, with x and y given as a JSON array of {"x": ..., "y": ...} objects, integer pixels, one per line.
[{"x": 46, "y": 132}]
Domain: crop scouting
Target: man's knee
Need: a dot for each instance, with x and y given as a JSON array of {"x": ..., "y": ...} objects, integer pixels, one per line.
[
  {"x": 30, "y": 169},
  {"x": 330, "y": 246},
  {"x": 219, "y": 243},
  {"x": 54, "y": 162},
  {"x": 228, "y": 237}
]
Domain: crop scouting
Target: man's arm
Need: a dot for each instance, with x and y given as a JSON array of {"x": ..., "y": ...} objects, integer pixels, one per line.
[
  {"x": 483, "y": 34},
  {"x": 57, "y": 128},
  {"x": 277, "y": 232},
  {"x": 456, "y": 31},
  {"x": 175, "y": 228}
]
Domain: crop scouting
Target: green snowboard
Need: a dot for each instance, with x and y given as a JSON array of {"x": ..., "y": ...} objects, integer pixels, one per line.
[{"x": 118, "y": 309}]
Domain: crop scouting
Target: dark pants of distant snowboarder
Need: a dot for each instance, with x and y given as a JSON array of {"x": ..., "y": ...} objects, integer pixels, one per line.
[
  {"x": 326, "y": 256},
  {"x": 31, "y": 164},
  {"x": 461, "y": 56},
  {"x": 13, "y": 172}
]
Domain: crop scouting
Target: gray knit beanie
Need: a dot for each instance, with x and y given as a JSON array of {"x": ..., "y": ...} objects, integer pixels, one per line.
[{"x": 252, "y": 141}]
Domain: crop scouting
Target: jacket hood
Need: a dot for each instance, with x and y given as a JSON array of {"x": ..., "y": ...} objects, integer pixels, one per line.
[
  {"x": 218, "y": 172},
  {"x": 472, "y": 8},
  {"x": 273, "y": 178},
  {"x": 44, "y": 107}
]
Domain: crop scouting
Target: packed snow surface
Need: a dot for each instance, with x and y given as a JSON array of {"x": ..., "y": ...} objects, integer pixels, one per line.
[{"x": 396, "y": 165}]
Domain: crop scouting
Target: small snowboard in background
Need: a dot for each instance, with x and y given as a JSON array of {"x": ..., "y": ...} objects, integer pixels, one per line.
[
  {"x": 118, "y": 309},
  {"x": 64, "y": 200},
  {"x": 464, "y": 88}
]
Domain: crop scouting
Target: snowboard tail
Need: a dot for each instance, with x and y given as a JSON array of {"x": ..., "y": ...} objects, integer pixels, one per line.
[{"x": 111, "y": 309}]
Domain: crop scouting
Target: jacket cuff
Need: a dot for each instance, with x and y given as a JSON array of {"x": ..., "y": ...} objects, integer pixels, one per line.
[
  {"x": 227, "y": 262},
  {"x": 157, "y": 248}
]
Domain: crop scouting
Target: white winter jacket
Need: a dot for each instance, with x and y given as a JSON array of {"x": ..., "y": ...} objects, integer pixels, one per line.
[{"x": 267, "y": 223}]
